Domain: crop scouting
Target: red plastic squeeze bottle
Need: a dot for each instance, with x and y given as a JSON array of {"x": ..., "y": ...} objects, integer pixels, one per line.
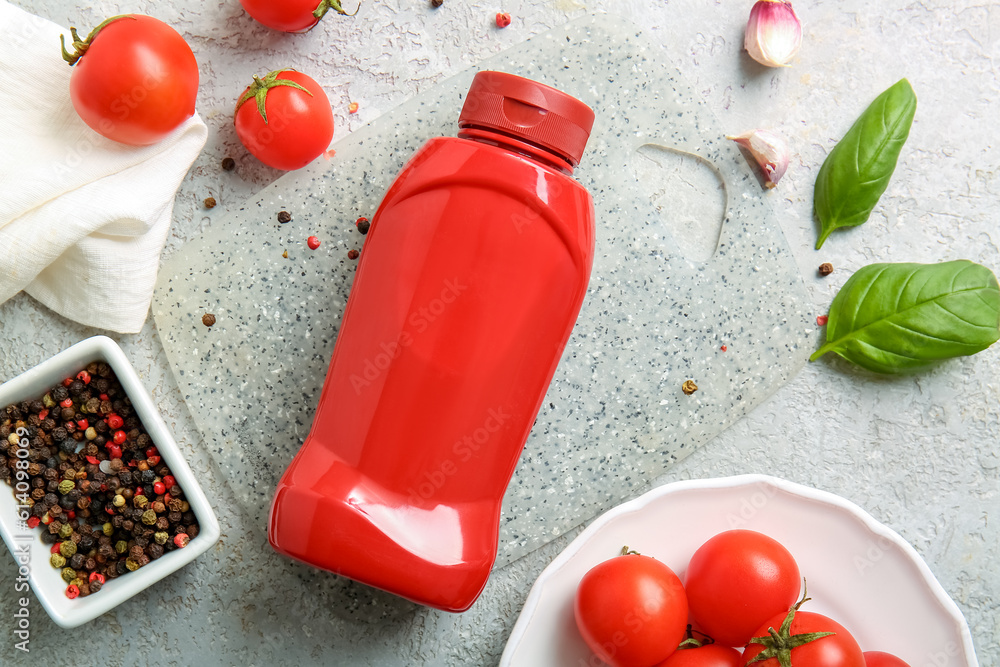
[{"x": 471, "y": 279}]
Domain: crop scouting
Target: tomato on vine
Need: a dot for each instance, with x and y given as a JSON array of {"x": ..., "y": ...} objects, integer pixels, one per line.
[
  {"x": 135, "y": 80},
  {"x": 284, "y": 119},
  {"x": 737, "y": 580},
  {"x": 803, "y": 638},
  {"x": 631, "y": 610},
  {"x": 291, "y": 15}
]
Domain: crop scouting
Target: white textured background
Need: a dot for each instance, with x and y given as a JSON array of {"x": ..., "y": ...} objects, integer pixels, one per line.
[{"x": 920, "y": 453}]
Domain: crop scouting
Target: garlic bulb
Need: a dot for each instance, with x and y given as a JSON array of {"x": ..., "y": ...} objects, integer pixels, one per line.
[
  {"x": 774, "y": 34},
  {"x": 770, "y": 151}
]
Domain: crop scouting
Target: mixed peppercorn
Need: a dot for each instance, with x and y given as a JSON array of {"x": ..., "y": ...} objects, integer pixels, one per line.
[{"x": 98, "y": 489}]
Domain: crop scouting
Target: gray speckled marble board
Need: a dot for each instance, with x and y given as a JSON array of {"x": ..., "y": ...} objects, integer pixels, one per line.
[{"x": 654, "y": 316}]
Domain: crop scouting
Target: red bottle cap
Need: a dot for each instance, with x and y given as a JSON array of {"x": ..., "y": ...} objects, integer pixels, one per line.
[{"x": 530, "y": 111}]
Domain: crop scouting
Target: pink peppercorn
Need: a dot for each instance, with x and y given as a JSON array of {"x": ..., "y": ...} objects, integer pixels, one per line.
[
  {"x": 72, "y": 591},
  {"x": 119, "y": 437},
  {"x": 83, "y": 376},
  {"x": 66, "y": 403},
  {"x": 312, "y": 242},
  {"x": 181, "y": 540},
  {"x": 503, "y": 19},
  {"x": 159, "y": 488},
  {"x": 169, "y": 481},
  {"x": 822, "y": 320},
  {"x": 115, "y": 422}
]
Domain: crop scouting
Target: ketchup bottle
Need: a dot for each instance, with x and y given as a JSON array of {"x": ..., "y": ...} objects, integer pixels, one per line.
[{"x": 471, "y": 279}]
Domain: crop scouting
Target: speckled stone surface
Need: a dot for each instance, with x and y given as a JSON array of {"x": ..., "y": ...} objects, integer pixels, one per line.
[
  {"x": 615, "y": 415},
  {"x": 920, "y": 453}
]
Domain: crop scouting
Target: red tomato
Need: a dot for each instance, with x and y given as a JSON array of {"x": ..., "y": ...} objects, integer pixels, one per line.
[
  {"x": 136, "y": 80},
  {"x": 296, "y": 126},
  {"x": 631, "y": 611},
  {"x": 710, "y": 655},
  {"x": 736, "y": 581},
  {"x": 290, "y": 15},
  {"x": 882, "y": 659},
  {"x": 839, "y": 649}
]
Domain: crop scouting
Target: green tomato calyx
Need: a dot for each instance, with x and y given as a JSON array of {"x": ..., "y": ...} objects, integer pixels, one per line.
[
  {"x": 259, "y": 89},
  {"x": 779, "y": 643},
  {"x": 80, "y": 46},
  {"x": 326, "y": 5}
]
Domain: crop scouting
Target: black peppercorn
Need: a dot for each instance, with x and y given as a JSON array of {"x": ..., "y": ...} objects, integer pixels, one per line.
[{"x": 228, "y": 164}]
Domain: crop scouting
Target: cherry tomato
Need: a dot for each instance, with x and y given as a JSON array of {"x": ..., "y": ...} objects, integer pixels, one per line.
[
  {"x": 839, "y": 649},
  {"x": 882, "y": 659},
  {"x": 631, "y": 611},
  {"x": 710, "y": 655},
  {"x": 291, "y": 15},
  {"x": 736, "y": 581},
  {"x": 134, "y": 79},
  {"x": 284, "y": 119}
]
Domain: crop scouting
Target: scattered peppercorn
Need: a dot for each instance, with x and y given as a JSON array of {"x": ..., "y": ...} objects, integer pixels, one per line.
[
  {"x": 503, "y": 20},
  {"x": 208, "y": 319},
  {"x": 723, "y": 348},
  {"x": 352, "y": 107},
  {"x": 436, "y": 3},
  {"x": 210, "y": 202},
  {"x": 285, "y": 254},
  {"x": 363, "y": 224},
  {"x": 228, "y": 164},
  {"x": 352, "y": 254},
  {"x": 825, "y": 269},
  {"x": 689, "y": 387},
  {"x": 284, "y": 216},
  {"x": 821, "y": 320},
  {"x": 313, "y": 242}
]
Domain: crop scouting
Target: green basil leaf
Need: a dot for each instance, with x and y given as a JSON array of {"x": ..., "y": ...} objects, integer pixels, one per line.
[
  {"x": 894, "y": 318},
  {"x": 857, "y": 170}
]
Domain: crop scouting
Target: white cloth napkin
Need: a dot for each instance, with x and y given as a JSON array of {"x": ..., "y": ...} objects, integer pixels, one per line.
[{"x": 83, "y": 219}]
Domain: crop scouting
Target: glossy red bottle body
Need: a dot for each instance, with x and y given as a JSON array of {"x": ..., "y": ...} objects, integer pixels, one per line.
[{"x": 469, "y": 284}]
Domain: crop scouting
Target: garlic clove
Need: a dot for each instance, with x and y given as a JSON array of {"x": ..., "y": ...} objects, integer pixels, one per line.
[
  {"x": 770, "y": 151},
  {"x": 774, "y": 33}
]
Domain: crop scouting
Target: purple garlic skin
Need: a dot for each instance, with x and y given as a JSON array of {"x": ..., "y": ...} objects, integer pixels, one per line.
[
  {"x": 774, "y": 33},
  {"x": 769, "y": 150}
]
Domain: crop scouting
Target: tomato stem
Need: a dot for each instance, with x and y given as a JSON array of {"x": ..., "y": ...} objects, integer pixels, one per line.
[
  {"x": 80, "y": 46},
  {"x": 695, "y": 642},
  {"x": 779, "y": 643},
  {"x": 326, "y": 5},
  {"x": 259, "y": 89}
]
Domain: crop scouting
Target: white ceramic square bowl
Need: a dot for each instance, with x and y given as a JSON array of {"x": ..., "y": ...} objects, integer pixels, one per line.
[{"x": 45, "y": 580}]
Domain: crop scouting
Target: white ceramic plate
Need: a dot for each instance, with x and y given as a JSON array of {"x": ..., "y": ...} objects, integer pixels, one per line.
[
  {"x": 27, "y": 547},
  {"x": 860, "y": 572}
]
